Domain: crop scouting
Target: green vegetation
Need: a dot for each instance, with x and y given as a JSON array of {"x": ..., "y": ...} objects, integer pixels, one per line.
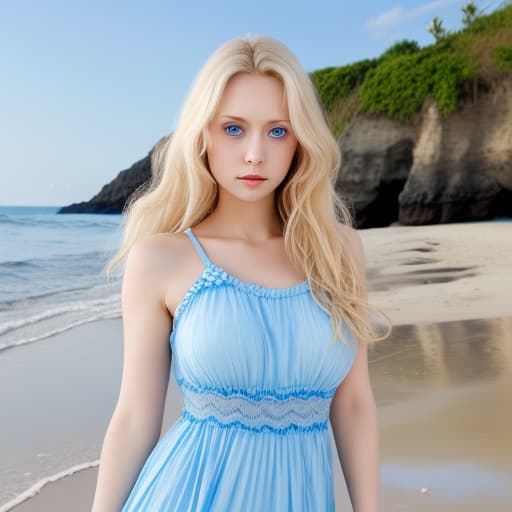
[
  {"x": 399, "y": 81},
  {"x": 470, "y": 12},
  {"x": 334, "y": 84},
  {"x": 437, "y": 30},
  {"x": 502, "y": 56},
  {"x": 404, "y": 47},
  {"x": 400, "y": 86}
]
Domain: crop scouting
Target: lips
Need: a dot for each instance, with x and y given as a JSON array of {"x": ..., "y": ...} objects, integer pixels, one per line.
[{"x": 257, "y": 177}]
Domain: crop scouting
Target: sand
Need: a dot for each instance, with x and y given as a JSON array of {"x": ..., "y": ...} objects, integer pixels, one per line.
[
  {"x": 440, "y": 273},
  {"x": 441, "y": 382}
]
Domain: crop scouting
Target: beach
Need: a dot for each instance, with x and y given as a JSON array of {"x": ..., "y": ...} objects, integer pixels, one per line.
[{"x": 441, "y": 382}]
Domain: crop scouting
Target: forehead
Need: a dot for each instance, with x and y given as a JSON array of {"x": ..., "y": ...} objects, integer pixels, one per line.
[{"x": 255, "y": 96}]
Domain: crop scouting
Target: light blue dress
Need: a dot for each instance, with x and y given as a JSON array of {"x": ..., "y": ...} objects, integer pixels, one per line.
[{"x": 258, "y": 370}]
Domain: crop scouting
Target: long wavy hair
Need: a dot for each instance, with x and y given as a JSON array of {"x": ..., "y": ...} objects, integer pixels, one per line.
[{"x": 182, "y": 192}]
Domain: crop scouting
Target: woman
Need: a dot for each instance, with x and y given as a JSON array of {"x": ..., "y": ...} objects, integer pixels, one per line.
[{"x": 241, "y": 251}]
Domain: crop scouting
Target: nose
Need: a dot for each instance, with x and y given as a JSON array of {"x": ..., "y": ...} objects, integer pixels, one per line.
[{"x": 254, "y": 152}]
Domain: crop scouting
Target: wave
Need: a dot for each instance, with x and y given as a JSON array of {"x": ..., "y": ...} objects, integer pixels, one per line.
[
  {"x": 58, "y": 222},
  {"x": 58, "y": 311},
  {"x": 21, "y": 269},
  {"x": 34, "y": 298},
  {"x": 93, "y": 318},
  {"x": 39, "y": 262},
  {"x": 36, "y": 488},
  {"x": 19, "y": 265}
]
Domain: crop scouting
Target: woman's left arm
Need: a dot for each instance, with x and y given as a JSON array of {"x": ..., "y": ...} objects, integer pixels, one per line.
[{"x": 353, "y": 417}]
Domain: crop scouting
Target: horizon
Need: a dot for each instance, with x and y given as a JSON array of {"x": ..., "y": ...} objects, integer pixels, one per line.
[{"x": 103, "y": 96}]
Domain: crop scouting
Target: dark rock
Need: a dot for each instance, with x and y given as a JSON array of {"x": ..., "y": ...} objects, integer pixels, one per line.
[
  {"x": 377, "y": 155},
  {"x": 433, "y": 169},
  {"x": 113, "y": 197}
]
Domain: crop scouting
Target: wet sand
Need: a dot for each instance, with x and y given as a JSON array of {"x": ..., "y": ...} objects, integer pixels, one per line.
[{"x": 442, "y": 387}]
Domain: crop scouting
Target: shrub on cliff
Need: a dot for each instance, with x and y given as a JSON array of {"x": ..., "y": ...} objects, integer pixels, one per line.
[
  {"x": 399, "y": 81},
  {"x": 403, "y": 47},
  {"x": 400, "y": 86},
  {"x": 502, "y": 56},
  {"x": 336, "y": 83}
]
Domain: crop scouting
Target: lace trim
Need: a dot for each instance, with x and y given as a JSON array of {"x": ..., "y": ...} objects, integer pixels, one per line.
[{"x": 266, "y": 414}]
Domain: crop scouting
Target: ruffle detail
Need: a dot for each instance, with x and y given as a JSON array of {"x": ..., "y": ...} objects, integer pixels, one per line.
[{"x": 215, "y": 276}]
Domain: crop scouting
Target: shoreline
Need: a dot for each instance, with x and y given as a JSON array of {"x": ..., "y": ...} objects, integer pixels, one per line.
[{"x": 424, "y": 277}]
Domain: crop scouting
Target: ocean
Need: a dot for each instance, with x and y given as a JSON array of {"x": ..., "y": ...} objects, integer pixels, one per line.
[{"x": 51, "y": 276}]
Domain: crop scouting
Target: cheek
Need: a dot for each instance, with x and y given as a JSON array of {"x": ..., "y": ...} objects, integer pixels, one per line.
[
  {"x": 220, "y": 156},
  {"x": 221, "y": 160},
  {"x": 288, "y": 152},
  {"x": 216, "y": 152}
]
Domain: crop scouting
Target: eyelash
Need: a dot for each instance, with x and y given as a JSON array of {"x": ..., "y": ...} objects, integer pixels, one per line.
[{"x": 285, "y": 131}]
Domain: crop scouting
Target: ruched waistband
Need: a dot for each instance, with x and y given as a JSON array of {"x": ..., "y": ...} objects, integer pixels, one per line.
[{"x": 267, "y": 413}]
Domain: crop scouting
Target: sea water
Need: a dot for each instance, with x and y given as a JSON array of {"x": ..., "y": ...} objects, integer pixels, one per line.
[{"x": 51, "y": 276}]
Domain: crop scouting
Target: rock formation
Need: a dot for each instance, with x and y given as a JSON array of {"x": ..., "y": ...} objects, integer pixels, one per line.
[
  {"x": 114, "y": 196},
  {"x": 433, "y": 169},
  {"x": 377, "y": 156}
]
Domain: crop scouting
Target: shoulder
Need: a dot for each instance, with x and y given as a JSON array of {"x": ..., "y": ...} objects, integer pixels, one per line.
[
  {"x": 159, "y": 250},
  {"x": 151, "y": 259}
]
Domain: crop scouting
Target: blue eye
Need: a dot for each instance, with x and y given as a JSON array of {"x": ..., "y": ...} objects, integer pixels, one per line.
[
  {"x": 277, "y": 132},
  {"x": 232, "y": 126},
  {"x": 282, "y": 133}
]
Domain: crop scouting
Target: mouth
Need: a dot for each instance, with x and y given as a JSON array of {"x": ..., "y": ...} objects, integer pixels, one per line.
[
  {"x": 252, "y": 177},
  {"x": 252, "y": 180}
]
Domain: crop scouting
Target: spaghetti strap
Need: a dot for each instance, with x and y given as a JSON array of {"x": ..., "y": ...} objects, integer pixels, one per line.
[{"x": 198, "y": 246}]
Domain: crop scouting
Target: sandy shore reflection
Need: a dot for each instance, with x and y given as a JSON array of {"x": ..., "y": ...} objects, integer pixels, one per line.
[{"x": 445, "y": 409}]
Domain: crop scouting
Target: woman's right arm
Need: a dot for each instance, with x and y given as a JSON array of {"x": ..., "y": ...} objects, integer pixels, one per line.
[{"x": 136, "y": 423}]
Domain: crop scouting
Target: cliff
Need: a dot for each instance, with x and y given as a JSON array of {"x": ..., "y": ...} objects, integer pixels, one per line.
[
  {"x": 432, "y": 169},
  {"x": 113, "y": 196}
]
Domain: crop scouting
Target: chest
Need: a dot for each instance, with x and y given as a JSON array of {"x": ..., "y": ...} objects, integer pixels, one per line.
[{"x": 233, "y": 339}]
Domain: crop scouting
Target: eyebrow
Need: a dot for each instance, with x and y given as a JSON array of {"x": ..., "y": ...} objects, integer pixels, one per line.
[{"x": 245, "y": 120}]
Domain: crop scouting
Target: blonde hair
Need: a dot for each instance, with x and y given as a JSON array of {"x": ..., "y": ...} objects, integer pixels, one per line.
[{"x": 183, "y": 192}]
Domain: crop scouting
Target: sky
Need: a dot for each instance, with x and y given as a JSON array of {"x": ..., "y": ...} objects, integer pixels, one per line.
[{"x": 88, "y": 87}]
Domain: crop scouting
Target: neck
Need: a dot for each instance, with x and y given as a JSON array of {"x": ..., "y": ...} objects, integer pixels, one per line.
[{"x": 253, "y": 221}]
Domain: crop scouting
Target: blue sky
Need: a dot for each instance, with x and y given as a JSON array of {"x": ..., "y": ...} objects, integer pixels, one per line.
[{"x": 88, "y": 87}]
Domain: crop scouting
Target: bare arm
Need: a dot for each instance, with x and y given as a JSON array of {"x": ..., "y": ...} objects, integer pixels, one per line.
[
  {"x": 136, "y": 423},
  {"x": 354, "y": 421}
]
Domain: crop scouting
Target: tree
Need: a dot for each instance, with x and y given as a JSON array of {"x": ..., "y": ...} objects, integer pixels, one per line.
[
  {"x": 437, "y": 30},
  {"x": 470, "y": 14}
]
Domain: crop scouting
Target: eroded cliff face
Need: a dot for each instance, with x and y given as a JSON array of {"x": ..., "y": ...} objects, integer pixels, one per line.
[
  {"x": 377, "y": 156},
  {"x": 434, "y": 169}
]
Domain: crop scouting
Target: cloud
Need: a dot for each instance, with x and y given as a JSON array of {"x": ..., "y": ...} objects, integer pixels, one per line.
[
  {"x": 386, "y": 20},
  {"x": 379, "y": 25}
]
